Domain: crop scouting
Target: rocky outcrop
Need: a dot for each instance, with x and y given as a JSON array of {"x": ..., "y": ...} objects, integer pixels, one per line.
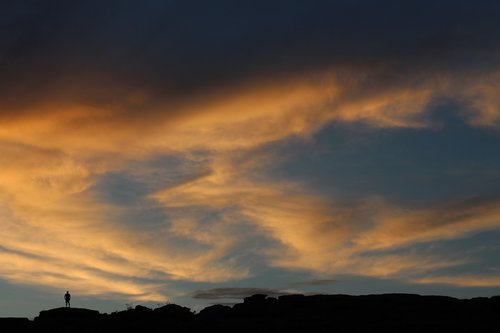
[{"x": 290, "y": 313}]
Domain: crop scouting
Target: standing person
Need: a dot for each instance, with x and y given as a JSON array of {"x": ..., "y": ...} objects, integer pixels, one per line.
[{"x": 67, "y": 298}]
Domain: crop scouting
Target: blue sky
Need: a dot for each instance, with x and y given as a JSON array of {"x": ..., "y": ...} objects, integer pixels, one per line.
[{"x": 197, "y": 152}]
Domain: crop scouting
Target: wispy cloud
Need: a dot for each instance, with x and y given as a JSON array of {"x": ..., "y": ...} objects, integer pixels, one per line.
[
  {"x": 317, "y": 282},
  {"x": 236, "y": 293},
  {"x": 70, "y": 118},
  {"x": 466, "y": 280},
  {"x": 49, "y": 198}
]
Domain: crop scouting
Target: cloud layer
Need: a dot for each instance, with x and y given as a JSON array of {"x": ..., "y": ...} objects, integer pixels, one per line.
[{"x": 136, "y": 139}]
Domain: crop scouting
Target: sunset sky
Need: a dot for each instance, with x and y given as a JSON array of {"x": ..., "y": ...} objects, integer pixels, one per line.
[{"x": 197, "y": 152}]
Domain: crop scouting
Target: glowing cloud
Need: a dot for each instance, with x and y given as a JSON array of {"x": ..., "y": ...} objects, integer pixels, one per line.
[
  {"x": 57, "y": 230},
  {"x": 52, "y": 218}
]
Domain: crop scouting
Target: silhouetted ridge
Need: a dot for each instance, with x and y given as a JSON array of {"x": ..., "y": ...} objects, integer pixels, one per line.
[
  {"x": 174, "y": 312},
  {"x": 67, "y": 314},
  {"x": 216, "y": 311},
  {"x": 15, "y": 325},
  {"x": 67, "y": 319},
  {"x": 290, "y": 313}
]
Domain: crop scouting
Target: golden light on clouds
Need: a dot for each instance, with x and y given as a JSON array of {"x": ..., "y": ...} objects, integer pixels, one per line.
[
  {"x": 463, "y": 281},
  {"x": 57, "y": 231},
  {"x": 242, "y": 118}
]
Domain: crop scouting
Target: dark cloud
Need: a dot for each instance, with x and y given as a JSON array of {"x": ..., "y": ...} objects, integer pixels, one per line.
[
  {"x": 237, "y": 293},
  {"x": 90, "y": 52},
  {"x": 317, "y": 282}
]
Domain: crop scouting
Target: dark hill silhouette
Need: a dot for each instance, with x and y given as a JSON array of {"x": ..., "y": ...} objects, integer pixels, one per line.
[
  {"x": 15, "y": 325},
  {"x": 290, "y": 313},
  {"x": 67, "y": 319},
  {"x": 67, "y": 314}
]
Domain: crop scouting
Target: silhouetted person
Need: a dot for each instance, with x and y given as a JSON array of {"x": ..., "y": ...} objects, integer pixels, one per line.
[{"x": 67, "y": 298}]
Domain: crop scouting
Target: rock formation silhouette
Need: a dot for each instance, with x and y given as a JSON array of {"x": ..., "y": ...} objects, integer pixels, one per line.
[{"x": 289, "y": 313}]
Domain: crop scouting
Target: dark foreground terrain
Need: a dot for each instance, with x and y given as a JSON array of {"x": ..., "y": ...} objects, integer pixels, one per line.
[{"x": 290, "y": 313}]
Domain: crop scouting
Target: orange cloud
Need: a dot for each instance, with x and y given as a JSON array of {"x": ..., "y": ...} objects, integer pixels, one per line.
[
  {"x": 466, "y": 280},
  {"x": 57, "y": 232},
  {"x": 53, "y": 154},
  {"x": 484, "y": 100},
  {"x": 240, "y": 118},
  {"x": 316, "y": 234}
]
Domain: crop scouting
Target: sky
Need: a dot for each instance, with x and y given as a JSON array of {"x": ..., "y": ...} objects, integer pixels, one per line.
[{"x": 197, "y": 152}]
